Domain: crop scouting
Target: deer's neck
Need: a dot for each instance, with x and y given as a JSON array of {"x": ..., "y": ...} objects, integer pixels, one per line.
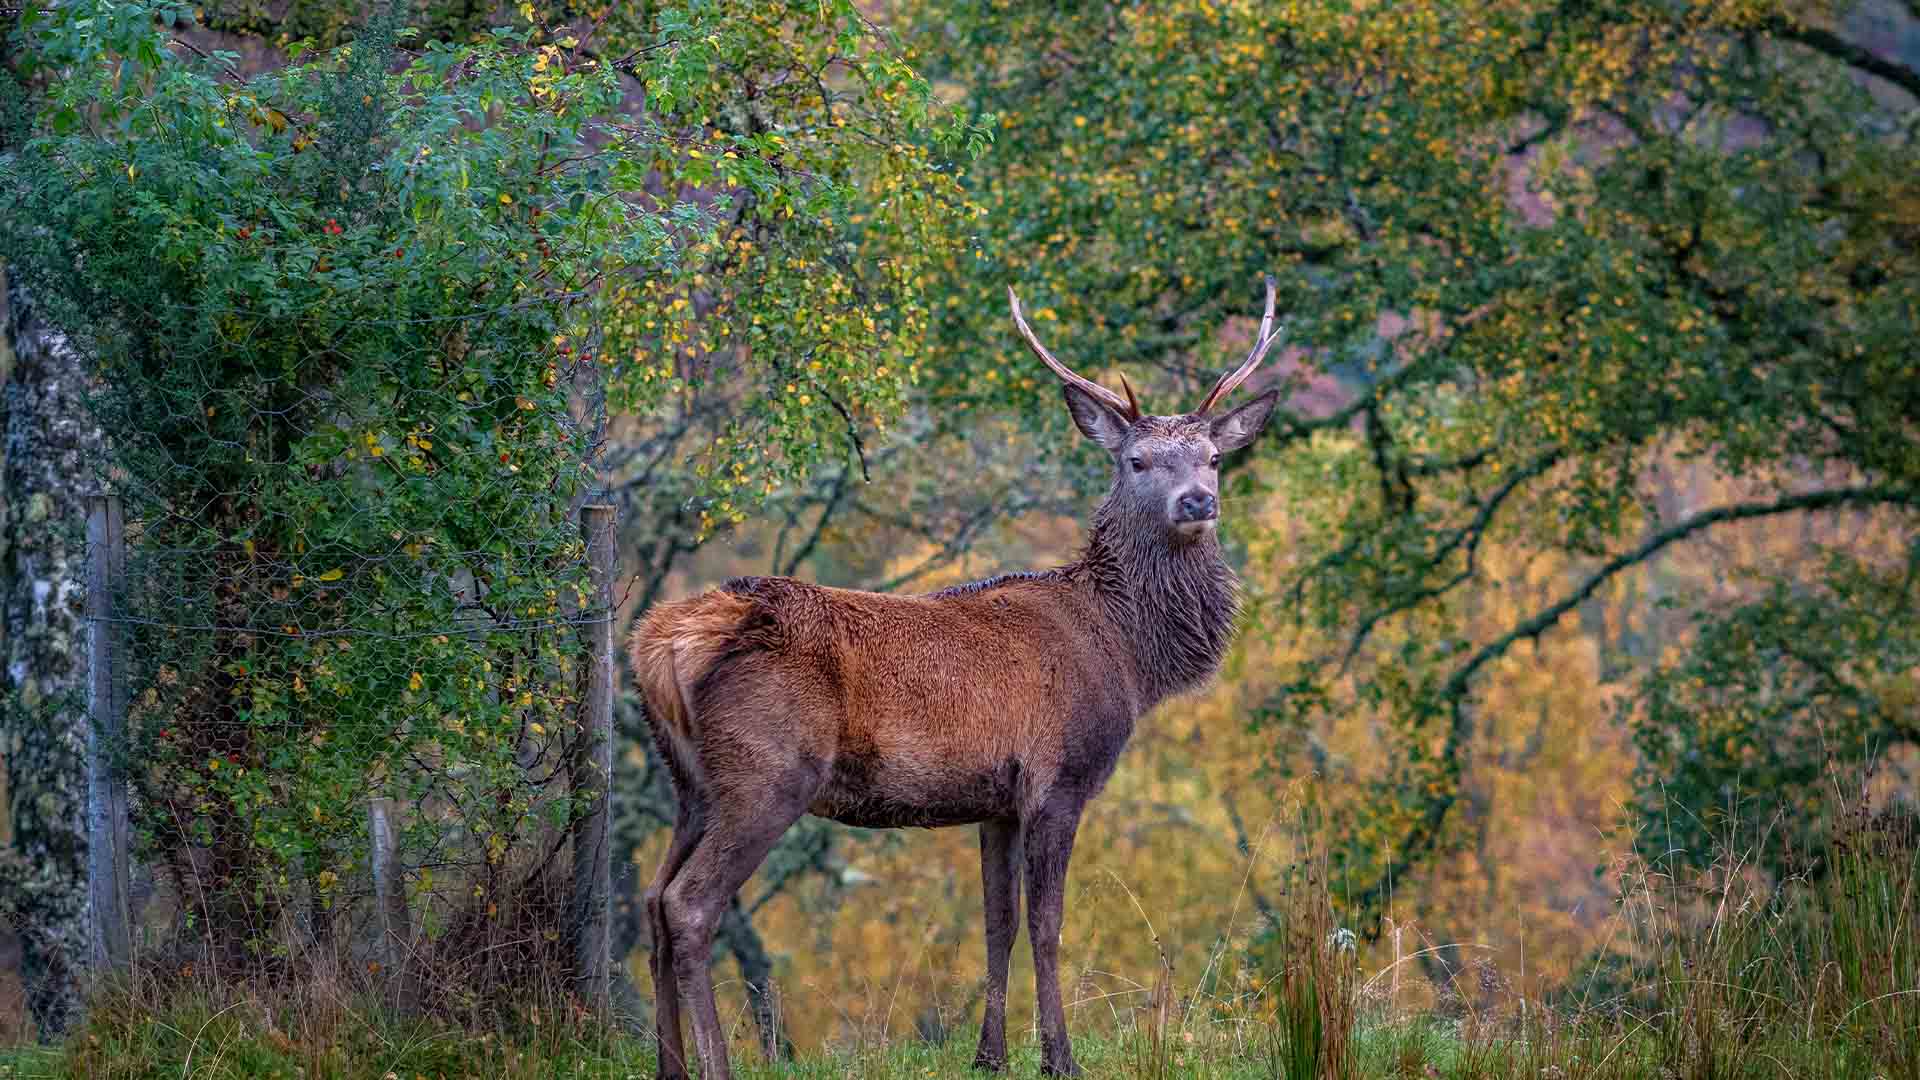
[{"x": 1172, "y": 606}]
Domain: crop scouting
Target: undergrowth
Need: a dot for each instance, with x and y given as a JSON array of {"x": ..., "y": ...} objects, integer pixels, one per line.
[{"x": 1721, "y": 972}]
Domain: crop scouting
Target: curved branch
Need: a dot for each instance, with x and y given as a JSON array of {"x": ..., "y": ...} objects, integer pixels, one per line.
[
  {"x": 1833, "y": 46},
  {"x": 853, "y": 435},
  {"x": 1425, "y": 831},
  {"x": 1471, "y": 536},
  {"x": 827, "y": 510},
  {"x": 1442, "y": 466}
]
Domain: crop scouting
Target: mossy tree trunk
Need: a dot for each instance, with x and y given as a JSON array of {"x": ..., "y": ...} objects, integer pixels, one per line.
[{"x": 46, "y": 458}]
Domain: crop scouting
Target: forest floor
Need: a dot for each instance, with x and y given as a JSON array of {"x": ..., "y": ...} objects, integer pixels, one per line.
[
  {"x": 1818, "y": 979},
  {"x": 195, "y": 1043}
]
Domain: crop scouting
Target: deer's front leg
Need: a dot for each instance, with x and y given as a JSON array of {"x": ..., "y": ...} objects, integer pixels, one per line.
[
  {"x": 1048, "y": 838},
  {"x": 1000, "y": 878}
]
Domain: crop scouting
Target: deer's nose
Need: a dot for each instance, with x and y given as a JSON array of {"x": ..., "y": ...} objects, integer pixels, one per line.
[{"x": 1198, "y": 506}]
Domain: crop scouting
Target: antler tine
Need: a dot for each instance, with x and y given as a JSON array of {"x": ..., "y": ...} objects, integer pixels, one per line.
[
  {"x": 1230, "y": 381},
  {"x": 1126, "y": 407},
  {"x": 1133, "y": 403}
]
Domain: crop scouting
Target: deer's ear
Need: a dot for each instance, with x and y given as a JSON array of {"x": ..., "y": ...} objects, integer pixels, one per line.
[
  {"x": 1237, "y": 428},
  {"x": 1095, "y": 418}
]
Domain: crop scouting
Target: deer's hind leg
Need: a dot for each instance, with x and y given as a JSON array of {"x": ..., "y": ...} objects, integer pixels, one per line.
[
  {"x": 746, "y": 816},
  {"x": 688, "y": 824}
]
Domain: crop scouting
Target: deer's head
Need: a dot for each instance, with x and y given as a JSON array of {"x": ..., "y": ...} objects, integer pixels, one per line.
[{"x": 1166, "y": 469}]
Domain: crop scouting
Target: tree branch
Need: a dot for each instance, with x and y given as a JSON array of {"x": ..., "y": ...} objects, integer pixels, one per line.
[
  {"x": 853, "y": 435},
  {"x": 1438, "y": 466},
  {"x": 835, "y": 496},
  {"x": 1245, "y": 846},
  {"x": 1470, "y": 535},
  {"x": 1425, "y": 831},
  {"x": 1835, "y": 47}
]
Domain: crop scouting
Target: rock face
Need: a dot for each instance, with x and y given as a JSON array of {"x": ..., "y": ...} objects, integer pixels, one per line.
[{"x": 48, "y": 450}]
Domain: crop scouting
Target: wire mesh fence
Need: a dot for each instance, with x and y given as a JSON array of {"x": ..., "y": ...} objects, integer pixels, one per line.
[
  {"x": 340, "y": 323},
  {"x": 354, "y": 689}
]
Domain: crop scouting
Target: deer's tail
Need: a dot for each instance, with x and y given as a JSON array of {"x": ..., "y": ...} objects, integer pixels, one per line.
[{"x": 675, "y": 647}]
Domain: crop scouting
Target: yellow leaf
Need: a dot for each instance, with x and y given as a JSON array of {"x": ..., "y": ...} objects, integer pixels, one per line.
[
  {"x": 416, "y": 682},
  {"x": 334, "y": 574}
]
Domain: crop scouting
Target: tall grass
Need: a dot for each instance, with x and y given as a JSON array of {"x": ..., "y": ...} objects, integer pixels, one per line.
[
  {"x": 209, "y": 1033},
  {"x": 1314, "y": 990},
  {"x": 1719, "y": 972},
  {"x": 1815, "y": 975}
]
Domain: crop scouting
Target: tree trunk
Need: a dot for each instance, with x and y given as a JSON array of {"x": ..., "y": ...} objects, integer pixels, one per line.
[
  {"x": 49, "y": 452},
  {"x": 737, "y": 933}
]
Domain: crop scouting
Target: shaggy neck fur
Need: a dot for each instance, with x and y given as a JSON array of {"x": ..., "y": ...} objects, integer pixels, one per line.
[{"x": 1171, "y": 601}]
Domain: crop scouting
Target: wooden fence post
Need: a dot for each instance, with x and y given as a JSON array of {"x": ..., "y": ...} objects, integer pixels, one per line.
[
  {"x": 390, "y": 898},
  {"x": 590, "y": 774},
  {"x": 110, "y": 936}
]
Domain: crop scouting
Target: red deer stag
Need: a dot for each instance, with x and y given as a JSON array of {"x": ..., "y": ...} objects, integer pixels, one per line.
[{"x": 1005, "y": 702}]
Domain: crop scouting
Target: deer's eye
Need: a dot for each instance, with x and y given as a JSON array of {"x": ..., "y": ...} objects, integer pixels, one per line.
[
  {"x": 1139, "y": 464},
  {"x": 1213, "y": 462}
]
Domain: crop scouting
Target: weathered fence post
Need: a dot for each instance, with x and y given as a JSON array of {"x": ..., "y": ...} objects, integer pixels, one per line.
[
  {"x": 110, "y": 936},
  {"x": 390, "y": 897},
  {"x": 591, "y": 773}
]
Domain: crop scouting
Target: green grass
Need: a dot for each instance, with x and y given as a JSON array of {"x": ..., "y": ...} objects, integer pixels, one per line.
[
  {"x": 195, "y": 1040},
  {"x": 1723, "y": 974}
]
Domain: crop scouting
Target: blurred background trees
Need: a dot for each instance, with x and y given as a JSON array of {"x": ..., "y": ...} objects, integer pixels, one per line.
[
  {"x": 1589, "y": 528},
  {"x": 1596, "y": 282}
]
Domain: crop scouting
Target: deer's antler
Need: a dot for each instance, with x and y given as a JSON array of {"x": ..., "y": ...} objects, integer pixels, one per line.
[
  {"x": 1231, "y": 380},
  {"x": 1127, "y": 406}
]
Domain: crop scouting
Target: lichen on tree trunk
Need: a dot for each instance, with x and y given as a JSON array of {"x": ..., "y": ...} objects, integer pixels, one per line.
[{"x": 50, "y": 446}]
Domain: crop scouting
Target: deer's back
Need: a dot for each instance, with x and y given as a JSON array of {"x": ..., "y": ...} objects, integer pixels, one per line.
[{"x": 921, "y": 710}]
